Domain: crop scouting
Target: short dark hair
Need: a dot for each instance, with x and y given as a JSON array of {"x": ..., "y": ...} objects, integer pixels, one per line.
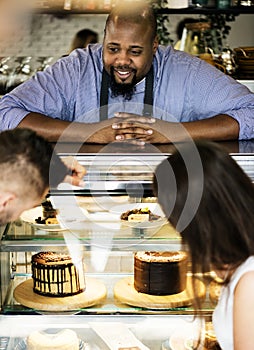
[
  {"x": 24, "y": 154},
  {"x": 221, "y": 231},
  {"x": 136, "y": 12}
]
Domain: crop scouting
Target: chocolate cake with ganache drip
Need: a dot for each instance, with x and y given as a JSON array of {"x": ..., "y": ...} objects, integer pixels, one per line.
[
  {"x": 160, "y": 273},
  {"x": 55, "y": 275}
]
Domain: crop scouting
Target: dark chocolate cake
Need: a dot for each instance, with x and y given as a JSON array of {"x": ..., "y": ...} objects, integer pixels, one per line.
[{"x": 160, "y": 273}]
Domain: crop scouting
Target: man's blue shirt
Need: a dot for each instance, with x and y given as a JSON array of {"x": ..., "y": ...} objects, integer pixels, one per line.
[{"x": 185, "y": 89}]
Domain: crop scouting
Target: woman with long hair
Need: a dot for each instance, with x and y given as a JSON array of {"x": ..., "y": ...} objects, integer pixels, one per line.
[{"x": 219, "y": 233}]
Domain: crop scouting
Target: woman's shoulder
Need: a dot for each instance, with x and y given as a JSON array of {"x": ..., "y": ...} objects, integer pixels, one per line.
[{"x": 247, "y": 267}]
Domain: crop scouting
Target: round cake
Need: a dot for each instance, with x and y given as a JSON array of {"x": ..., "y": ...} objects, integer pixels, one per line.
[
  {"x": 54, "y": 274},
  {"x": 160, "y": 273},
  {"x": 65, "y": 339}
]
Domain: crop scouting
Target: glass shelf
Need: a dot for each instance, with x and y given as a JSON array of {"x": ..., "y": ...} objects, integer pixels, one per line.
[
  {"x": 110, "y": 306},
  {"x": 153, "y": 331},
  {"x": 21, "y": 236}
]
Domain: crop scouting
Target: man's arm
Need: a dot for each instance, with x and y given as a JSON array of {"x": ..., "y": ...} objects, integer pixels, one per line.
[
  {"x": 58, "y": 130},
  {"x": 217, "y": 128},
  {"x": 133, "y": 128}
]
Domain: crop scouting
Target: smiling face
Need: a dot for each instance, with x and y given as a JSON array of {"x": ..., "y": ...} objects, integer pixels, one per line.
[{"x": 128, "y": 50}]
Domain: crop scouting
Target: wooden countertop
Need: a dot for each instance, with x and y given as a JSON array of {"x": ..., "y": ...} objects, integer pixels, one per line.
[{"x": 236, "y": 147}]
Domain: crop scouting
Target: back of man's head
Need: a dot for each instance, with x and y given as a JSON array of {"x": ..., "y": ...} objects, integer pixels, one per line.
[{"x": 28, "y": 163}]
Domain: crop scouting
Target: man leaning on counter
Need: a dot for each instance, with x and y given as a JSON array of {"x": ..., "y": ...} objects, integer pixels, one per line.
[{"x": 131, "y": 88}]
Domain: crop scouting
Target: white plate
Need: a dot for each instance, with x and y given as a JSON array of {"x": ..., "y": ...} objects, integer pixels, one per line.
[
  {"x": 154, "y": 208},
  {"x": 29, "y": 216},
  {"x": 178, "y": 343},
  {"x": 184, "y": 337}
]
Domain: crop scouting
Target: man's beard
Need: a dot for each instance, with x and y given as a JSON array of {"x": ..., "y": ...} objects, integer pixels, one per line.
[{"x": 125, "y": 90}]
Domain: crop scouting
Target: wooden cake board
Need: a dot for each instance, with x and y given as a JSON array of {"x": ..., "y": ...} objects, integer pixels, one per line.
[
  {"x": 94, "y": 294},
  {"x": 125, "y": 292}
]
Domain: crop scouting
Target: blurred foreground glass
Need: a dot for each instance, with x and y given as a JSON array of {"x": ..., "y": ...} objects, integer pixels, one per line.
[{"x": 13, "y": 17}]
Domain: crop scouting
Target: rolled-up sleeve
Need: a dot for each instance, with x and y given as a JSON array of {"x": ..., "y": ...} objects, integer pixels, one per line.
[
  {"x": 218, "y": 93},
  {"x": 10, "y": 116},
  {"x": 245, "y": 118},
  {"x": 49, "y": 93}
]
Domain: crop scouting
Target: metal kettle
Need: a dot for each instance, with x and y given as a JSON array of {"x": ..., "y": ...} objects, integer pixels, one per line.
[{"x": 228, "y": 60}]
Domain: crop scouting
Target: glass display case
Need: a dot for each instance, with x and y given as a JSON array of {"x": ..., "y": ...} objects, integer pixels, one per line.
[
  {"x": 90, "y": 225},
  {"x": 109, "y": 262}
]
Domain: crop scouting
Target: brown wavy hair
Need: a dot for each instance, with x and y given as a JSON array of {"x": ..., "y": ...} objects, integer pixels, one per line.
[{"x": 221, "y": 230}]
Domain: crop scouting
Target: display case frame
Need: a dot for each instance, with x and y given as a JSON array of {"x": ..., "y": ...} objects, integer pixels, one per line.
[{"x": 19, "y": 240}]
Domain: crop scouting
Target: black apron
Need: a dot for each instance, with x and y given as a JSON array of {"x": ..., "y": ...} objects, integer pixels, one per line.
[{"x": 148, "y": 98}]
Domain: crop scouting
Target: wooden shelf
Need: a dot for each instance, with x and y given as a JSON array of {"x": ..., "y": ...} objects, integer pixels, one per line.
[
  {"x": 207, "y": 10},
  {"x": 189, "y": 10}
]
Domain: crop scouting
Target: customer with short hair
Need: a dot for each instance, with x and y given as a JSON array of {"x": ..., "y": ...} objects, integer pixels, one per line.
[{"x": 29, "y": 167}]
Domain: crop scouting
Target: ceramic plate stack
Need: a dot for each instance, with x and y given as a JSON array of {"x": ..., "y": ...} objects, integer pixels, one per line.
[{"x": 245, "y": 62}]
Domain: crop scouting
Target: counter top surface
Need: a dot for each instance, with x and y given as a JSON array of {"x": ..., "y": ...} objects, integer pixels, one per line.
[{"x": 234, "y": 147}]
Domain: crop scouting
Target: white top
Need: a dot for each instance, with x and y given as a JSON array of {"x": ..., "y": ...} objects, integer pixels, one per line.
[{"x": 223, "y": 313}]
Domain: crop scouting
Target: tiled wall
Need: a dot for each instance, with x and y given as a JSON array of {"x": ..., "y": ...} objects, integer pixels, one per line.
[{"x": 49, "y": 35}]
